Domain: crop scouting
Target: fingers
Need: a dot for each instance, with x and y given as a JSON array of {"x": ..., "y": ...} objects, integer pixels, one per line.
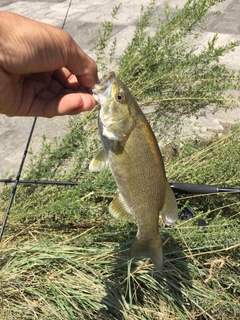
[
  {"x": 86, "y": 71},
  {"x": 31, "y": 52},
  {"x": 30, "y": 46},
  {"x": 66, "y": 79},
  {"x": 69, "y": 104}
]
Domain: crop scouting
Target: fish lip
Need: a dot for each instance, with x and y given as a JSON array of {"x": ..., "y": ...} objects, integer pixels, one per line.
[
  {"x": 95, "y": 95},
  {"x": 104, "y": 84},
  {"x": 100, "y": 88}
]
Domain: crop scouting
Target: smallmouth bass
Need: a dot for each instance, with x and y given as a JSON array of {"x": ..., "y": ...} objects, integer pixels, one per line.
[{"x": 131, "y": 150}]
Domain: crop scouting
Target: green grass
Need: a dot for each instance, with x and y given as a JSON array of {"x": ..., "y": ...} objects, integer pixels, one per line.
[{"x": 64, "y": 257}]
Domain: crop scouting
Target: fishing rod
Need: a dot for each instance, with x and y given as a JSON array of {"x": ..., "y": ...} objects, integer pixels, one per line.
[
  {"x": 193, "y": 188},
  {"x": 16, "y": 181},
  {"x": 47, "y": 182},
  {"x": 177, "y": 187}
]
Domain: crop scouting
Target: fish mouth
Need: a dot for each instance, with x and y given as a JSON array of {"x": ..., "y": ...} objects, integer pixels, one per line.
[{"x": 103, "y": 85}]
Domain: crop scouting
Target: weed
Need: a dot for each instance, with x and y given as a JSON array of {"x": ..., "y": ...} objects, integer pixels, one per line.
[{"x": 168, "y": 69}]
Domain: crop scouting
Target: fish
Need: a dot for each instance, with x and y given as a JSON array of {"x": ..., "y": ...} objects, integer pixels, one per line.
[{"x": 132, "y": 153}]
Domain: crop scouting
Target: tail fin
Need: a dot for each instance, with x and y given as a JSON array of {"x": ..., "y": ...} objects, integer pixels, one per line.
[{"x": 150, "y": 248}]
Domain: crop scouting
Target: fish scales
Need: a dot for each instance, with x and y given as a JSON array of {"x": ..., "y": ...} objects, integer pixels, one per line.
[
  {"x": 133, "y": 155},
  {"x": 138, "y": 182}
]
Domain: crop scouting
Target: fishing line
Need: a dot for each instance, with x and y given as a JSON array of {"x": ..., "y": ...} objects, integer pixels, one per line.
[
  {"x": 17, "y": 180},
  {"x": 65, "y": 18}
]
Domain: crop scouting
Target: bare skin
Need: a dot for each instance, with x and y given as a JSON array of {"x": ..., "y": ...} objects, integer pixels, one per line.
[{"x": 43, "y": 72}]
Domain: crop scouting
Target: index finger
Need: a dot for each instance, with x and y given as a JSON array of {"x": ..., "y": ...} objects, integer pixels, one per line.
[
  {"x": 83, "y": 66},
  {"x": 32, "y": 47}
]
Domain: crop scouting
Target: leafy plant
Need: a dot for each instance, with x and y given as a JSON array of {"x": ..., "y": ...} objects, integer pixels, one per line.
[{"x": 168, "y": 69}]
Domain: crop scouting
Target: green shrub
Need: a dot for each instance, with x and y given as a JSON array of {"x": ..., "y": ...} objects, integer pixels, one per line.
[{"x": 168, "y": 69}]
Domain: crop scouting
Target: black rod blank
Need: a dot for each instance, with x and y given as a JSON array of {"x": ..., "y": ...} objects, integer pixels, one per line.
[
  {"x": 192, "y": 188},
  {"x": 177, "y": 187},
  {"x": 51, "y": 182}
]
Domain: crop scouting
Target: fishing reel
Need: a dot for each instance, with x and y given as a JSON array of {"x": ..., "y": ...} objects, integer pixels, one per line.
[{"x": 187, "y": 212}]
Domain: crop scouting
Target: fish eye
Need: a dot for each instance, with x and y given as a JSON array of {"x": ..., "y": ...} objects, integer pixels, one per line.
[{"x": 120, "y": 97}]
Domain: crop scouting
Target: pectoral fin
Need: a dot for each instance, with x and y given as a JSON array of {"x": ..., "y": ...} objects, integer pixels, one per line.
[
  {"x": 119, "y": 209},
  {"x": 169, "y": 212},
  {"x": 99, "y": 162}
]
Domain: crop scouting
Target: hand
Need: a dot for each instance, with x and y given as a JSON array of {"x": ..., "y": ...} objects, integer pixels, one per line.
[{"x": 43, "y": 72}]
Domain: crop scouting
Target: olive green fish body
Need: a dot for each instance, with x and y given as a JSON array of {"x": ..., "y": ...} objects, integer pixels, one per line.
[
  {"x": 135, "y": 160},
  {"x": 138, "y": 172}
]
